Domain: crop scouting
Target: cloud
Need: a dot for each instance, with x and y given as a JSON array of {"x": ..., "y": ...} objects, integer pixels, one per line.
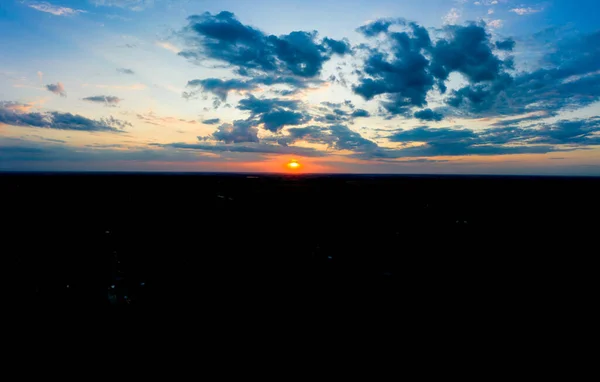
[
  {"x": 116, "y": 87},
  {"x": 508, "y": 44},
  {"x": 15, "y": 106},
  {"x": 60, "y": 121},
  {"x": 569, "y": 78},
  {"x": 295, "y": 59},
  {"x": 44, "y": 138},
  {"x": 222, "y": 87},
  {"x": 427, "y": 134},
  {"x": 274, "y": 121},
  {"x": 404, "y": 70},
  {"x": 212, "y": 121},
  {"x": 261, "y": 148},
  {"x": 434, "y": 142},
  {"x": 495, "y": 24},
  {"x": 125, "y": 71},
  {"x": 360, "y": 113},
  {"x": 218, "y": 87},
  {"x": 466, "y": 50},
  {"x": 338, "y": 112},
  {"x": 168, "y": 46},
  {"x": 313, "y": 134},
  {"x": 525, "y": 11},
  {"x": 273, "y": 113},
  {"x": 106, "y": 100},
  {"x": 346, "y": 139},
  {"x": 338, "y": 137},
  {"x": 401, "y": 74},
  {"x": 451, "y": 17},
  {"x": 57, "y": 89},
  {"x": 134, "y": 5},
  {"x": 28, "y": 155},
  {"x": 340, "y": 47},
  {"x": 428, "y": 115},
  {"x": 153, "y": 119},
  {"x": 264, "y": 105},
  {"x": 44, "y": 6},
  {"x": 374, "y": 28},
  {"x": 118, "y": 17},
  {"x": 40, "y": 76},
  {"x": 238, "y": 132},
  {"x": 564, "y": 135},
  {"x": 452, "y": 142},
  {"x": 581, "y": 132}
]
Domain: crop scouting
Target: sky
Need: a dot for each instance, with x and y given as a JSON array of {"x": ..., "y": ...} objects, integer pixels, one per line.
[{"x": 340, "y": 86}]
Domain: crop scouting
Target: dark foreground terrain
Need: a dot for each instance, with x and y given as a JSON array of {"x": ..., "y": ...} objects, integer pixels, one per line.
[{"x": 193, "y": 240}]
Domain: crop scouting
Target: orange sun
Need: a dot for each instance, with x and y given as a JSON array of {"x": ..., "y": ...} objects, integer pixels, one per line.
[{"x": 293, "y": 165}]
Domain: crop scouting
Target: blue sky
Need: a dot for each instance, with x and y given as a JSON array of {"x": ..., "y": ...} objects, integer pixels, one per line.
[{"x": 381, "y": 86}]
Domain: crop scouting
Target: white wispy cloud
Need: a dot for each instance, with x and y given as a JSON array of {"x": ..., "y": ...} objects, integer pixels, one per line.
[
  {"x": 525, "y": 11},
  {"x": 134, "y": 5},
  {"x": 168, "y": 46},
  {"x": 451, "y": 17},
  {"x": 44, "y": 6},
  {"x": 495, "y": 24},
  {"x": 117, "y": 87}
]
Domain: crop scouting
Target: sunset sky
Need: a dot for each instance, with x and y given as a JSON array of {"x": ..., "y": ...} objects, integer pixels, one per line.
[{"x": 359, "y": 86}]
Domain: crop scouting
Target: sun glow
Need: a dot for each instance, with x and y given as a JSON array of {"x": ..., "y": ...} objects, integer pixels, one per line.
[{"x": 293, "y": 165}]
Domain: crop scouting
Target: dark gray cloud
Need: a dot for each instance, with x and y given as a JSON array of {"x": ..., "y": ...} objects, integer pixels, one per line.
[
  {"x": 508, "y": 44},
  {"x": 339, "y": 137},
  {"x": 274, "y": 113},
  {"x": 346, "y": 139},
  {"x": 339, "y": 112},
  {"x": 218, "y": 87},
  {"x": 222, "y": 87},
  {"x": 59, "y": 121},
  {"x": 238, "y": 132},
  {"x": 405, "y": 69},
  {"x": 276, "y": 120},
  {"x": 428, "y": 115},
  {"x": 434, "y": 142},
  {"x": 224, "y": 38},
  {"x": 427, "y": 134},
  {"x": 331, "y": 118},
  {"x": 57, "y": 89},
  {"x": 435, "y": 149},
  {"x": 537, "y": 139},
  {"x": 401, "y": 73},
  {"x": 340, "y": 47},
  {"x": 295, "y": 59},
  {"x": 212, "y": 121},
  {"x": 260, "y": 148},
  {"x": 27, "y": 155},
  {"x": 582, "y": 132},
  {"x": 312, "y": 134},
  {"x": 466, "y": 50},
  {"x": 360, "y": 113},
  {"x": 569, "y": 78},
  {"x": 379, "y": 26},
  {"x": 527, "y": 118},
  {"x": 44, "y": 138},
  {"x": 125, "y": 71},
  {"x": 106, "y": 100},
  {"x": 264, "y": 105}
]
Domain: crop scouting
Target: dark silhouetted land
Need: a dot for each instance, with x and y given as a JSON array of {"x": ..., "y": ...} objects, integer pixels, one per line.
[{"x": 180, "y": 239}]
